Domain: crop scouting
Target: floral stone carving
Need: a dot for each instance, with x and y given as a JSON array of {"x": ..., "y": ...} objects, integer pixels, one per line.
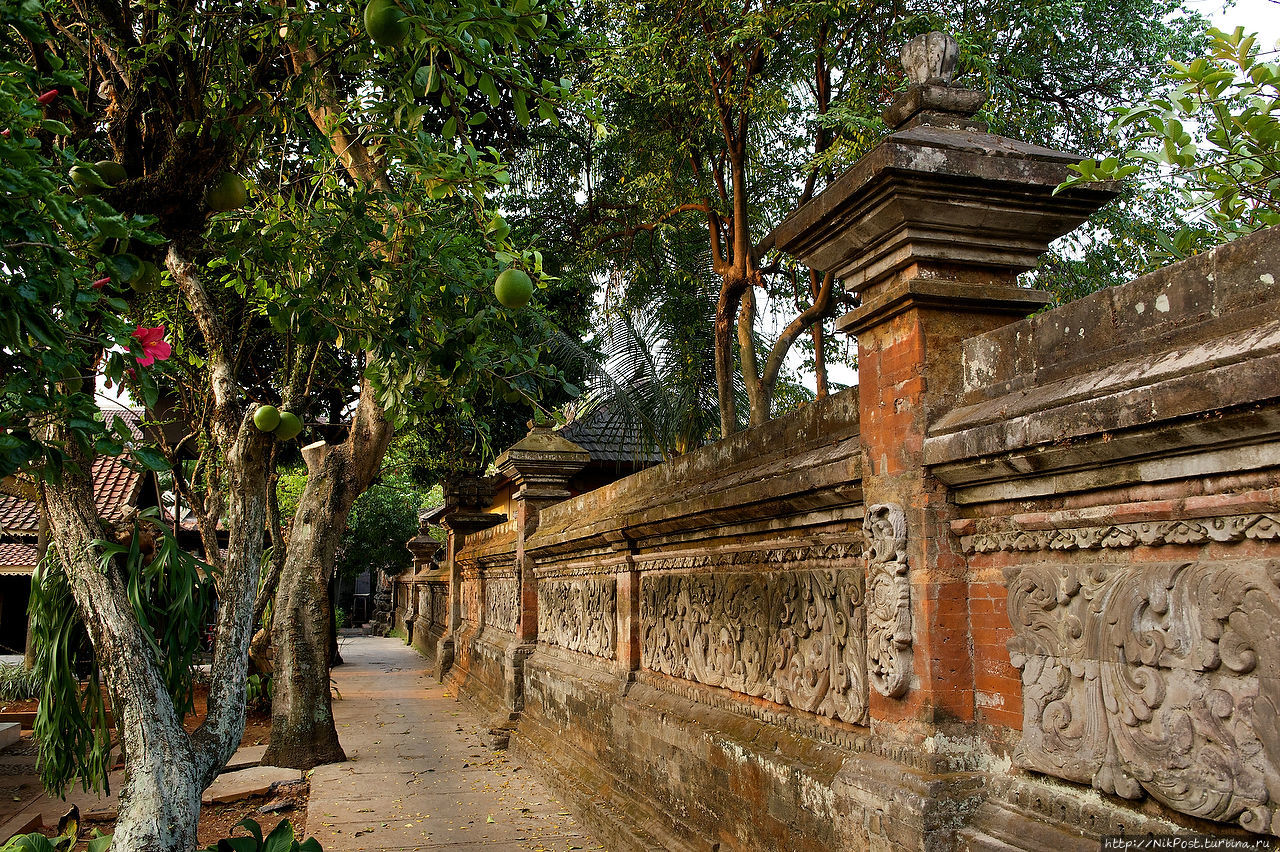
[
  {"x": 502, "y": 603},
  {"x": 888, "y": 600},
  {"x": 791, "y": 637},
  {"x": 578, "y": 614},
  {"x": 1154, "y": 679}
]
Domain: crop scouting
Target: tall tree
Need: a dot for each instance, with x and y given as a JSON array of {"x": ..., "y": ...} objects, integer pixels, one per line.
[
  {"x": 735, "y": 113},
  {"x": 178, "y": 96}
]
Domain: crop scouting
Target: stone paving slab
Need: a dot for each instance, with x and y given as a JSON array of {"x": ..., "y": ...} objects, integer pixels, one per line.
[
  {"x": 258, "y": 781},
  {"x": 418, "y": 774},
  {"x": 245, "y": 757}
]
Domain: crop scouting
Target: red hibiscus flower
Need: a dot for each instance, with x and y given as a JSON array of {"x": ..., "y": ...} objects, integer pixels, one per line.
[
  {"x": 153, "y": 346},
  {"x": 48, "y": 97}
]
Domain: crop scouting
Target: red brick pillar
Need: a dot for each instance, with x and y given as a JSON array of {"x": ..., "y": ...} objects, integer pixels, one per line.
[
  {"x": 930, "y": 230},
  {"x": 540, "y": 466}
]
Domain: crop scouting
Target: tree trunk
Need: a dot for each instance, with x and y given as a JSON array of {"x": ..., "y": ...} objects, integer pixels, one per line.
[
  {"x": 160, "y": 802},
  {"x": 303, "y": 734}
]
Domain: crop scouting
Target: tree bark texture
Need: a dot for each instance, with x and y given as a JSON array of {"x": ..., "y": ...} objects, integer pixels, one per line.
[
  {"x": 160, "y": 801},
  {"x": 303, "y": 734}
]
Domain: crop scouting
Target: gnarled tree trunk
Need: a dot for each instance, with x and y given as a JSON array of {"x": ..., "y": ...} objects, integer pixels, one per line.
[{"x": 303, "y": 734}]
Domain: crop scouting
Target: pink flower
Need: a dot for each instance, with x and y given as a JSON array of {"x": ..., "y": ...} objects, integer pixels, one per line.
[
  {"x": 101, "y": 282},
  {"x": 48, "y": 97},
  {"x": 153, "y": 346}
]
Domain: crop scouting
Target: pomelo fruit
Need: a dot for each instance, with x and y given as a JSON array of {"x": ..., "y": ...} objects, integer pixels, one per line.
[
  {"x": 72, "y": 379},
  {"x": 227, "y": 193},
  {"x": 289, "y": 426},
  {"x": 266, "y": 418},
  {"x": 86, "y": 180},
  {"x": 146, "y": 278},
  {"x": 384, "y": 22},
  {"x": 110, "y": 171},
  {"x": 513, "y": 288}
]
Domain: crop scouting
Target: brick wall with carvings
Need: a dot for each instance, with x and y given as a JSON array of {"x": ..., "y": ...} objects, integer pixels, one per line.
[{"x": 1017, "y": 589}]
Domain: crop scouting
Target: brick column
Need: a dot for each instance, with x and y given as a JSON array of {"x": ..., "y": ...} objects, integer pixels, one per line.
[
  {"x": 539, "y": 466},
  {"x": 464, "y": 498},
  {"x": 930, "y": 230}
]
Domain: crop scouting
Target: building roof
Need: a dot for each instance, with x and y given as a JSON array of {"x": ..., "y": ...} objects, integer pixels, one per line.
[
  {"x": 116, "y": 485},
  {"x": 17, "y": 558},
  {"x": 611, "y": 435}
]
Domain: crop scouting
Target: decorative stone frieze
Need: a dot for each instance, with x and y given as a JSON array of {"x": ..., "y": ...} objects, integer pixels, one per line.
[
  {"x": 792, "y": 637},
  {"x": 1154, "y": 679},
  {"x": 578, "y": 614},
  {"x": 888, "y": 600},
  {"x": 502, "y": 603},
  {"x": 799, "y": 556},
  {"x": 1257, "y": 527}
]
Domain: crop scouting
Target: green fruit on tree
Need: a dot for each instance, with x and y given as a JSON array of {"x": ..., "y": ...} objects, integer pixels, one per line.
[
  {"x": 110, "y": 171},
  {"x": 289, "y": 426},
  {"x": 72, "y": 380},
  {"x": 513, "y": 288},
  {"x": 266, "y": 418},
  {"x": 228, "y": 192},
  {"x": 384, "y": 22},
  {"x": 86, "y": 180},
  {"x": 146, "y": 278}
]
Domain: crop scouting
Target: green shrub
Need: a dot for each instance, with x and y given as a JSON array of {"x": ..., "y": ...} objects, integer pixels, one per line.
[{"x": 18, "y": 683}]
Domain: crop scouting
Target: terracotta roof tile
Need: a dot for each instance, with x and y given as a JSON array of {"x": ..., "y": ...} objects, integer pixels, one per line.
[
  {"x": 16, "y": 558},
  {"x": 115, "y": 487}
]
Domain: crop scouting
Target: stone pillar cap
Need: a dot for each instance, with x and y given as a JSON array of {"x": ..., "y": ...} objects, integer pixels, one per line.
[{"x": 543, "y": 452}]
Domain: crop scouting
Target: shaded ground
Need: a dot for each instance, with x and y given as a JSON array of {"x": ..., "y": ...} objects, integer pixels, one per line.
[
  {"x": 21, "y": 795},
  {"x": 418, "y": 775}
]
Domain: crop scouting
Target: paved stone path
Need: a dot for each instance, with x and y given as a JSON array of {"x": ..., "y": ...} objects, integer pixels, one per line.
[{"x": 417, "y": 775}]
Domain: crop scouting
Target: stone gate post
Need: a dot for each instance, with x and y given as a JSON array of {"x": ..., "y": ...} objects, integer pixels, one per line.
[
  {"x": 930, "y": 230},
  {"x": 539, "y": 466}
]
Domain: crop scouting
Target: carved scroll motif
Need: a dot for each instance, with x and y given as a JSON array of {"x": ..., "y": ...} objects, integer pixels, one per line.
[
  {"x": 578, "y": 614},
  {"x": 1232, "y": 528},
  {"x": 888, "y": 600},
  {"x": 1156, "y": 679},
  {"x": 791, "y": 637},
  {"x": 502, "y": 603}
]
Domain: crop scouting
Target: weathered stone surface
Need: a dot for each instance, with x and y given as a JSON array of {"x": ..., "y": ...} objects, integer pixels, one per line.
[
  {"x": 795, "y": 638},
  {"x": 888, "y": 600},
  {"x": 1157, "y": 680},
  {"x": 244, "y": 783},
  {"x": 578, "y": 614}
]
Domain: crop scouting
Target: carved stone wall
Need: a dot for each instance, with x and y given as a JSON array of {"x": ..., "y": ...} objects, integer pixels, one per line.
[
  {"x": 792, "y": 637},
  {"x": 1158, "y": 680},
  {"x": 502, "y": 602},
  {"x": 470, "y": 599},
  {"x": 440, "y": 605},
  {"x": 888, "y": 600},
  {"x": 578, "y": 614}
]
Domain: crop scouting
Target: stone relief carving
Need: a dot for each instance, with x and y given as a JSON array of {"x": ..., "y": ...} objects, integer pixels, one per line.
[
  {"x": 1154, "y": 679},
  {"x": 1257, "y": 527},
  {"x": 440, "y": 606},
  {"x": 502, "y": 603},
  {"x": 471, "y": 601},
  {"x": 888, "y": 600},
  {"x": 578, "y": 614},
  {"x": 792, "y": 637}
]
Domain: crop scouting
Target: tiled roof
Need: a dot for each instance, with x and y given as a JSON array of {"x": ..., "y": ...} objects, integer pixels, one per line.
[
  {"x": 16, "y": 558},
  {"x": 18, "y": 515},
  {"x": 115, "y": 487},
  {"x": 610, "y": 436}
]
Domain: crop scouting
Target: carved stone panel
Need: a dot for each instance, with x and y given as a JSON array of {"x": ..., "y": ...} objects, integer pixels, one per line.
[
  {"x": 578, "y": 614},
  {"x": 502, "y": 603},
  {"x": 888, "y": 600},
  {"x": 440, "y": 605},
  {"x": 471, "y": 600},
  {"x": 1154, "y": 679},
  {"x": 791, "y": 637}
]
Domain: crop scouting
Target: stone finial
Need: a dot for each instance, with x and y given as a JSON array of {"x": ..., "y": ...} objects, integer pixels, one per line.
[{"x": 930, "y": 59}]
